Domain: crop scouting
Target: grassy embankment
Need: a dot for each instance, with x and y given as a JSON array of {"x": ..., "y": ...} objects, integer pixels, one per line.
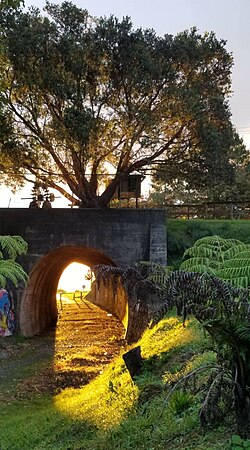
[{"x": 113, "y": 412}]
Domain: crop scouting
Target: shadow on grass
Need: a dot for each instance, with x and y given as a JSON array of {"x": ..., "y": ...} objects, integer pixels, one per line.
[{"x": 111, "y": 412}]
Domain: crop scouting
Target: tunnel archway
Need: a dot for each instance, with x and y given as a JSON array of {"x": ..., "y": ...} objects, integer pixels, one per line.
[{"x": 38, "y": 307}]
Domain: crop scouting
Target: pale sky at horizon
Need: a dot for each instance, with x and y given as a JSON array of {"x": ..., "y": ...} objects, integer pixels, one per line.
[{"x": 229, "y": 19}]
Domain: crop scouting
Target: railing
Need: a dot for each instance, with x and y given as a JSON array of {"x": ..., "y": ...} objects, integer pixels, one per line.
[
  {"x": 77, "y": 295},
  {"x": 220, "y": 210},
  {"x": 206, "y": 210}
]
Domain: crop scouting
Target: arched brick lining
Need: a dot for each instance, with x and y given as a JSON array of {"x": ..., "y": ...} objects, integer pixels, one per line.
[{"x": 38, "y": 308}]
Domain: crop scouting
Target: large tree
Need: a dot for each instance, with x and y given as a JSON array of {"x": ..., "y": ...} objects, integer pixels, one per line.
[{"x": 81, "y": 92}]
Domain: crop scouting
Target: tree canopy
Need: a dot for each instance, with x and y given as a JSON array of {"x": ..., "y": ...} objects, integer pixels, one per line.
[
  {"x": 220, "y": 176},
  {"x": 7, "y": 4},
  {"x": 80, "y": 92}
]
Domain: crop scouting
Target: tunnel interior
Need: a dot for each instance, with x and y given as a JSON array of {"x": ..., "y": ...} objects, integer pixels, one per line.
[{"x": 38, "y": 306}]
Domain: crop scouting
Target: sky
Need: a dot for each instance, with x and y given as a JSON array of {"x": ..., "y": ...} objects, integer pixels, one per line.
[{"x": 229, "y": 19}]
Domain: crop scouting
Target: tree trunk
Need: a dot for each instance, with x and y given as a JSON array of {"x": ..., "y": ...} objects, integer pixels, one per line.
[
  {"x": 107, "y": 195},
  {"x": 133, "y": 361}
]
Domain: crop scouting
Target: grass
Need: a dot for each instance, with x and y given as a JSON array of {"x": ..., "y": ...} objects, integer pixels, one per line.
[{"x": 114, "y": 413}]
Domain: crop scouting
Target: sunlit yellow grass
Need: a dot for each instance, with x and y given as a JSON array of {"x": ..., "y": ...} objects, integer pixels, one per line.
[
  {"x": 169, "y": 334},
  {"x": 107, "y": 400},
  {"x": 112, "y": 413},
  {"x": 104, "y": 402}
]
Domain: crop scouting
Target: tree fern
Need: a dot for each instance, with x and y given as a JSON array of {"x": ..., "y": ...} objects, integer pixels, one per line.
[
  {"x": 153, "y": 271},
  {"x": 228, "y": 259},
  {"x": 12, "y": 246},
  {"x": 224, "y": 312},
  {"x": 12, "y": 271},
  {"x": 201, "y": 251},
  {"x": 236, "y": 250}
]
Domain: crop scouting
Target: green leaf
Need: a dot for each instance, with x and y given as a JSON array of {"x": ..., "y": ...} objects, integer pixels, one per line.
[
  {"x": 13, "y": 246},
  {"x": 13, "y": 271},
  {"x": 9, "y": 269},
  {"x": 235, "y": 249},
  {"x": 236, "y": 439}
]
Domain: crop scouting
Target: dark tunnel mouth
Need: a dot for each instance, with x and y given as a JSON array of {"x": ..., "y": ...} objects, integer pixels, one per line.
[{"x": 38, "y": 309}]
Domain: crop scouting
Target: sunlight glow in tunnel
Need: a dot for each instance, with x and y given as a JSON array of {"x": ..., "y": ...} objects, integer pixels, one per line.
[{"x": 74, "y": 279}]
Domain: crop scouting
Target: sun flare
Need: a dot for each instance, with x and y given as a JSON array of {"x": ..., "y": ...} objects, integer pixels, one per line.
[{"x": 73, "y": 278}]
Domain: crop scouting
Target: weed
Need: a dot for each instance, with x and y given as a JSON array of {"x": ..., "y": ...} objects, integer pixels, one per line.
[
  {"x": 180, "y": 401},
  {"x": 238, "y": 443}
]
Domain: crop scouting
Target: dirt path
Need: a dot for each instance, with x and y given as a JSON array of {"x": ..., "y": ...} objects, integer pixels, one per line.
[{"x": 85, "y": 340}]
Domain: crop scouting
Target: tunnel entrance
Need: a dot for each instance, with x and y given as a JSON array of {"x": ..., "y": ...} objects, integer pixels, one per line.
[
  {"x": 38, "y": 307},
  {"x": 74, "y": 284},
  {"x": 84, "y": 341}
]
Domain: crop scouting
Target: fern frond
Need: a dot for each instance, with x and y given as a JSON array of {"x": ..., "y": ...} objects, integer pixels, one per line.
[
  {"x": 201, "y": 269},
  {"x": 233, "y": 272},
  {"x": 210, "y": 240},
  {"x": 153, "y": 272},
  {"x": 217, "y": 241},
  {"x": 11, "y": 270},
  {"x": 231, "y": 252},
  {"x": 237, "y": 262},
  {"x": 245, "y": 254},
  {"x": 201, "y": 251},
  {"x": 240, "y": 282},
  {"x": 234, "y": 242},
  {"x": 194, "y": 262},
  {"x": 221, "y": 258},
  {"x": 242, "y": 333},
  {"x": 13, "y": 246}
]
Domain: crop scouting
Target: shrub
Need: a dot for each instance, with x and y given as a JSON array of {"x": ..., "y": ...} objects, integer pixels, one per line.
[
  {"x": 228, "y": 259},
  {"x": 182, "y": 234}
]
